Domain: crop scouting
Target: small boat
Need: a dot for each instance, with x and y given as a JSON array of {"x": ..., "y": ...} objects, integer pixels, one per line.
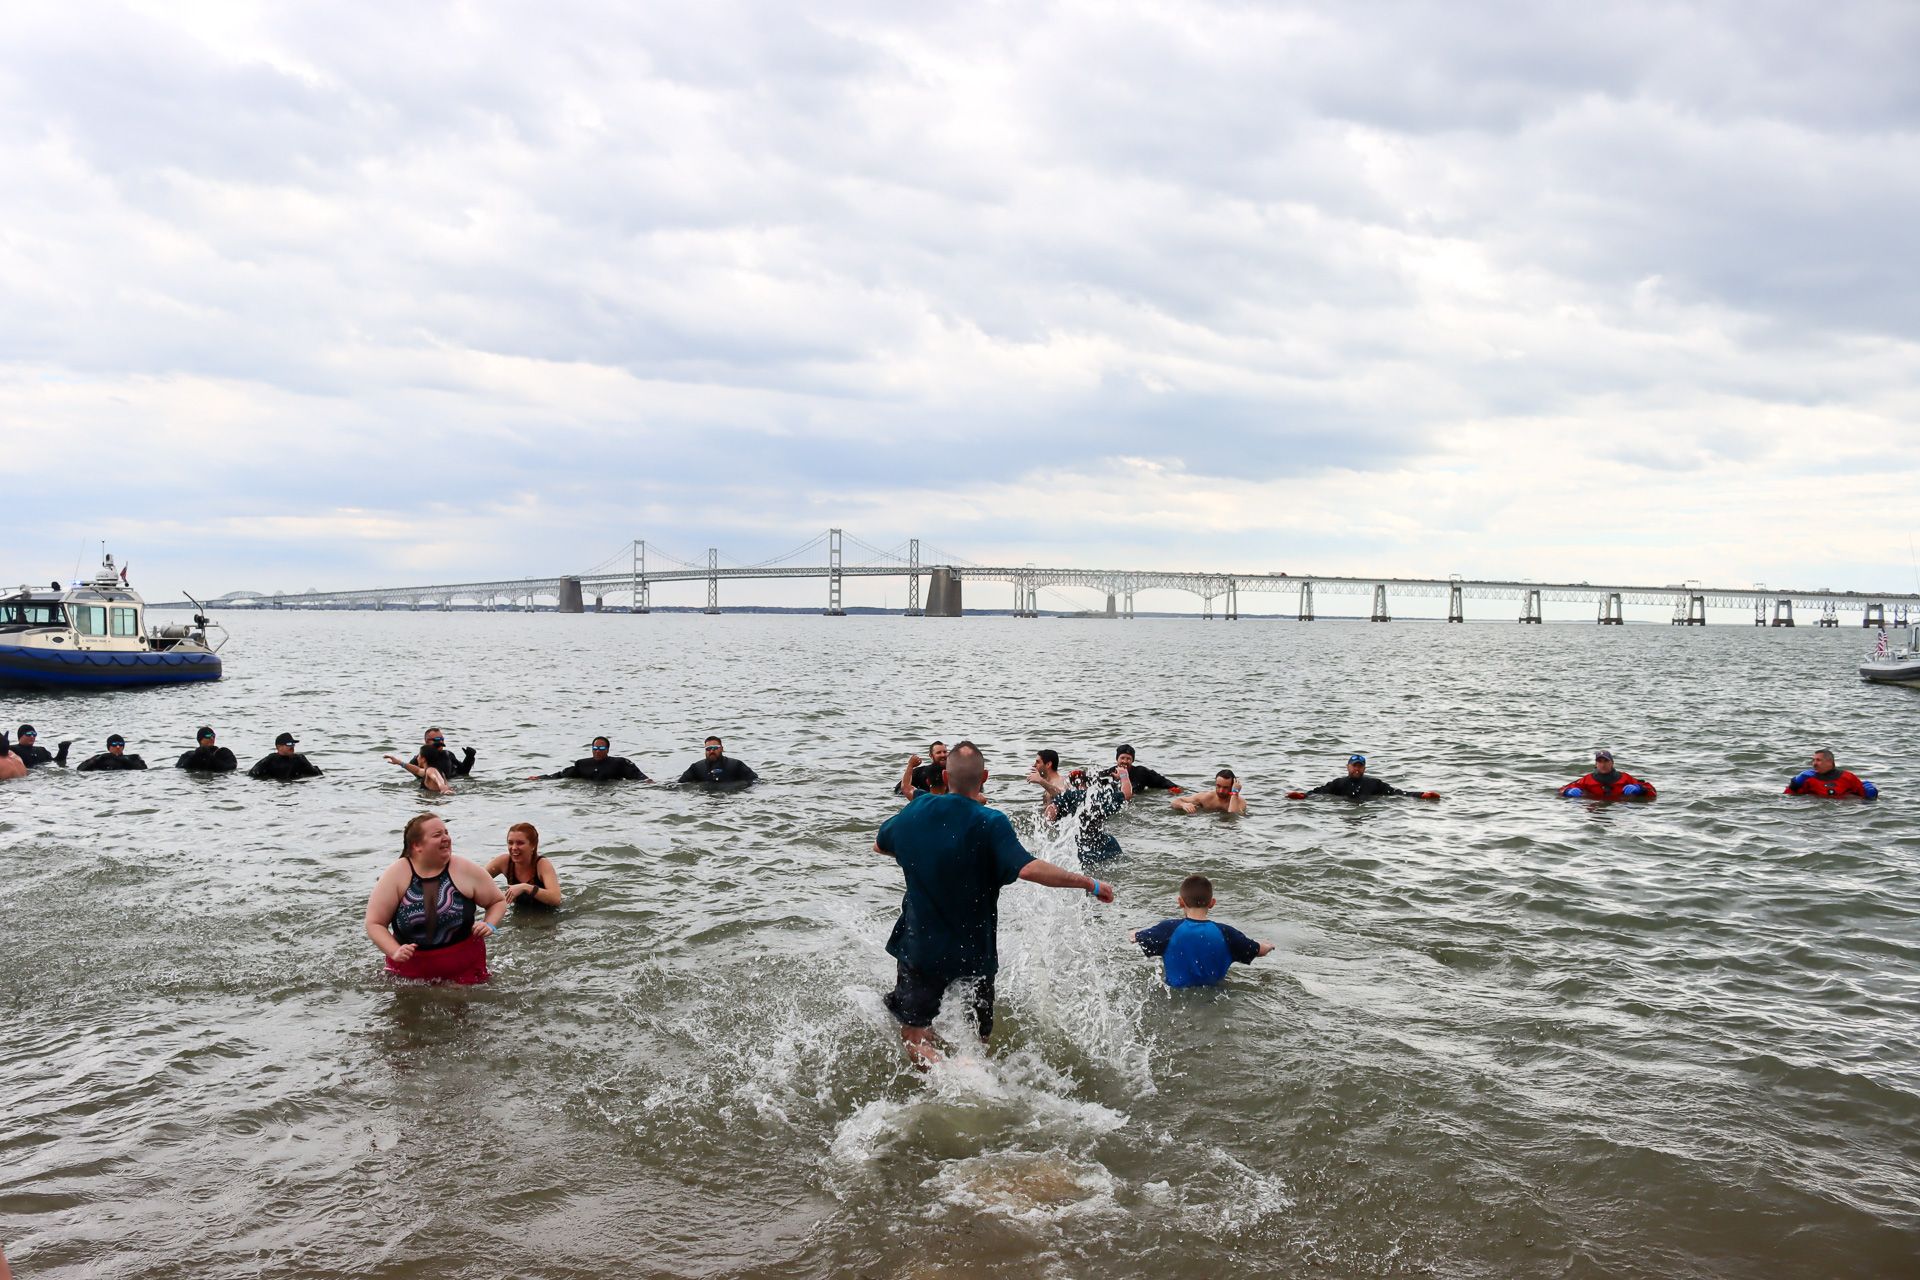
[
  {"x": 94, "y": 636},
  {"x": 1900, "y": 665}
]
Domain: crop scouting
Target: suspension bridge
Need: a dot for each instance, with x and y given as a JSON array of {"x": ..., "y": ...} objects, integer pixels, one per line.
[{"x": 628, "y": 577}]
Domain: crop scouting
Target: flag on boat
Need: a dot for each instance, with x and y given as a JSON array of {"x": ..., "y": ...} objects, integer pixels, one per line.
[
  {"x": 123, "y": 573},
  {"x": 1880, "y": 645}
]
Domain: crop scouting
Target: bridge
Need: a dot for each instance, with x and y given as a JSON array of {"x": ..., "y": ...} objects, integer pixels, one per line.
[{"x": 631, "y": 574}]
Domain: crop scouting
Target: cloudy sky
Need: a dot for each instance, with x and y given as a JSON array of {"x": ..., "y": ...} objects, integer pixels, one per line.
[{"x": 332, "y": 295}]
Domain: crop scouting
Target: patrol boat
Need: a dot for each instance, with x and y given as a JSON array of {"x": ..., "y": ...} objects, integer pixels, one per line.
[
  {"x": 1900, "y": 665},
  {"x": 94, "y": 636}
]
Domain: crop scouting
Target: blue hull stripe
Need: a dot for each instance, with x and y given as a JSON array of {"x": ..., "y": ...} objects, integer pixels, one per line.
[{"x": 81, "y": 669}]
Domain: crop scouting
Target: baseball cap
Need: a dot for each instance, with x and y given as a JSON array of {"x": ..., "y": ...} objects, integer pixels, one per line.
[
  {"x": 1603, "y": 754},
  {"x": 285, "y": 740},
  {"x": 202, "y": 732},
  {"x": 1356, "y": 758},
  {"x": 116, "y": 741}
]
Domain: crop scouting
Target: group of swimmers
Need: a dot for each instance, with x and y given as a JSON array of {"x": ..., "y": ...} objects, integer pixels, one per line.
[{"x": 433, "y": 764}]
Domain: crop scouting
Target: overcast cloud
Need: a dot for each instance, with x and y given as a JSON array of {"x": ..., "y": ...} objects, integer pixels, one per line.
[{"x": 340, "y": 294}]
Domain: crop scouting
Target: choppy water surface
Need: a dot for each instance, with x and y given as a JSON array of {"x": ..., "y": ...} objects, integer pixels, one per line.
[{"x": 1501, "y": 1035}]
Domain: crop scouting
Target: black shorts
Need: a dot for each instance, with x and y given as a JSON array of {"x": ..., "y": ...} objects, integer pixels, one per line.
[{"x": 915, "y": 998}]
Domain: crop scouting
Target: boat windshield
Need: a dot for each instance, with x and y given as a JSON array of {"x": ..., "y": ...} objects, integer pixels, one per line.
[{"x": 32, "y": 613}]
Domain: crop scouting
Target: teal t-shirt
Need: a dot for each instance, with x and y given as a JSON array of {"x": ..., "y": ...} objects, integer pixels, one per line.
[{"x": 955, "y": 854}]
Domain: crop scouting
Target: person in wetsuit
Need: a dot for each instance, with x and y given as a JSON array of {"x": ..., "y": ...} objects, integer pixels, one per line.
[
  {"x": 114, "y": 757},
  {"x": 11, "y": 765},
  {"x": 1826, "y": 779},
  {"x": 1358, "y": 786},
  {"x": 923, "y": 777},
  {"x": 1607, "y": 783},
  {"x": 1196, "y": 951},
  {"x": 207, "y": 755},
  {"x": 433, "y": 754},
  {"x": 26, "y": 746},
  {"x": 531, "y": 879},
  {"x": 1224, "y": 798},
  {"x": 421, "y": 911},
  {"x": 598, "y": 767},
  {"x": 716, "y": 769},
  {"x": 1088, "y": 803},
  {"x": 285, "y": 764},
  {"x": 1139, "y": 777},
  {"x": 919, "y": 779}
]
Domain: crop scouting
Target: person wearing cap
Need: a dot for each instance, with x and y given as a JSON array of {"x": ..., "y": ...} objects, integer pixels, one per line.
[
  {"x": 207, "y": 756},
  {"x": 1358, "y": 786},
  {"x": 1139, "y": 777},
  {"x": 598, "y": 767},
  {"x": 1224, "y": 798},
  {"x": 1827, "y": 779},
  {"x": 716, "y": 769},
  {"x": 285, "y": 764},
  {"x": 1607, "y": 783},
  {"x": 26, "y": 746},
  {"x": 115, "y": 757}
]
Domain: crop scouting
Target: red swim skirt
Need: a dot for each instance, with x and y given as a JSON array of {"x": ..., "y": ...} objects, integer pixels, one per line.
[{"x": 464, "y": 962}]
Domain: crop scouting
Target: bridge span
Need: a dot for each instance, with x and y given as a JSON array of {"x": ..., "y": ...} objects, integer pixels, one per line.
[{"x": 641, "y": 568}]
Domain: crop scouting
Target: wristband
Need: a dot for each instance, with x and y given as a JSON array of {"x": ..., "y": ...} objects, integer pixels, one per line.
[{"x": 1095, "y": 891}]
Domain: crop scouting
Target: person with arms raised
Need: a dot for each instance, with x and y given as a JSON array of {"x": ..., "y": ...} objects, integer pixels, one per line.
[{"x": 27, "y": 746}]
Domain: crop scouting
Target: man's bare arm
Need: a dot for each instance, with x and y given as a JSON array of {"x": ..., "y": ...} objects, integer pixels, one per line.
[{"x": 1054, "y": 877}]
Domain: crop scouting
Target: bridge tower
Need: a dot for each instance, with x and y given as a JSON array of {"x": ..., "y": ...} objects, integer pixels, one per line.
[
  {"x": 1380, "y": 604},
  {"x": 1206, "y": 606},
  {"x": 713, "y": 580},
  {"x": 641, "y": 604},
  {"x": 1759, "y": 604},
  {"x": 1233, "y": 600},
  {"x": 1530, "y": 606},
  {"x": 1783, "y": 612},
  {"x": 1828, "y": 616},
  {"x": 1306, "y": 602},
  {"x": 1128, "y": 608},
  {"x": 1611, "y": 612},
  {"x": 1456, "y": 601},
  {"x": 913, "y": 579},
  {"x": 1689, "y": 611},
  {"x": 833, "y": 609},
  {"x": 1875, "y": 616}
]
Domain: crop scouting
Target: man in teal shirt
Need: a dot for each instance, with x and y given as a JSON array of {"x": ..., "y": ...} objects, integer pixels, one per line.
[{"x": 956, "y": 854}]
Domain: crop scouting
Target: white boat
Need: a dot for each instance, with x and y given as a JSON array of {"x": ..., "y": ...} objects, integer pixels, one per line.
[
  {"x": 1897, "y": 665},
  {"x": 94, "y": 636}
]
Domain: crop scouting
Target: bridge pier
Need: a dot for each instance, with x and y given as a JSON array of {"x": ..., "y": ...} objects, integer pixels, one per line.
[
  {"x": 943, "y": 593},
  {"x": 1900, "y": 616},
  {"x": 1690, "y": 611},
  {"x": 1110, "y": 612},
  {"x": 1783, "y": 612},
  {"x": 1530, "y": 607},
  {"x": 1306, "y": 602},
  {"x": 1612, "y": 614},
  {"x": 1380, "y": 604},
  {"x": 1456, "y": 602},
  {"x": 1829, "y": 617},
  {"x": 571, "y": 598},
  {"x": 1874, "y": 617},
  {"x": 1206, "y": 608}
]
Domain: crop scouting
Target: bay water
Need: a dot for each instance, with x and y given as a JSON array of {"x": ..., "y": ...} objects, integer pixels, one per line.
[{"x": 1504, "y": 1034}]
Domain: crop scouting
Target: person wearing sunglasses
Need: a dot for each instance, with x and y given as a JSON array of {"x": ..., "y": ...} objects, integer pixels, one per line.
[
  {"x": 715, "y": 768},
  {"x": 434, "y": 755},
  {"x": 601, "y": 766},
  {"x": 26, "y": 747}
]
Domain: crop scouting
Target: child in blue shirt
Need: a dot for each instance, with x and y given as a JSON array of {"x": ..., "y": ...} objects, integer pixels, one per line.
[{"x": 1197, "y": 951}]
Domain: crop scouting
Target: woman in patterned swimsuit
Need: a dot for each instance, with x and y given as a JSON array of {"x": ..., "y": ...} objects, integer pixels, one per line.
[{"x": 421, "y": 913}]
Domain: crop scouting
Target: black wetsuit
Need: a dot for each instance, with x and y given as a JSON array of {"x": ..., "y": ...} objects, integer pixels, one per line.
[
  {"x": 106, "y": 760},
  {"x": 1145, "y": 779},
  {"x": 1364, "y": 787},
  {"x": 39, "y": 755},
  {"x": 207, "y": 760},
  {"x": 279, "y": 768},
  {"x": 718, "y": 772},
  {"x": 923, "y": 778},
  {"x": 442, "y": 759},
  {"x": 612, "y": 769}
]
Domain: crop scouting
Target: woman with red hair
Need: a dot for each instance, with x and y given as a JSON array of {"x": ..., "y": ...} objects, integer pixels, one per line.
[{"x": 531, "y": 879}]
